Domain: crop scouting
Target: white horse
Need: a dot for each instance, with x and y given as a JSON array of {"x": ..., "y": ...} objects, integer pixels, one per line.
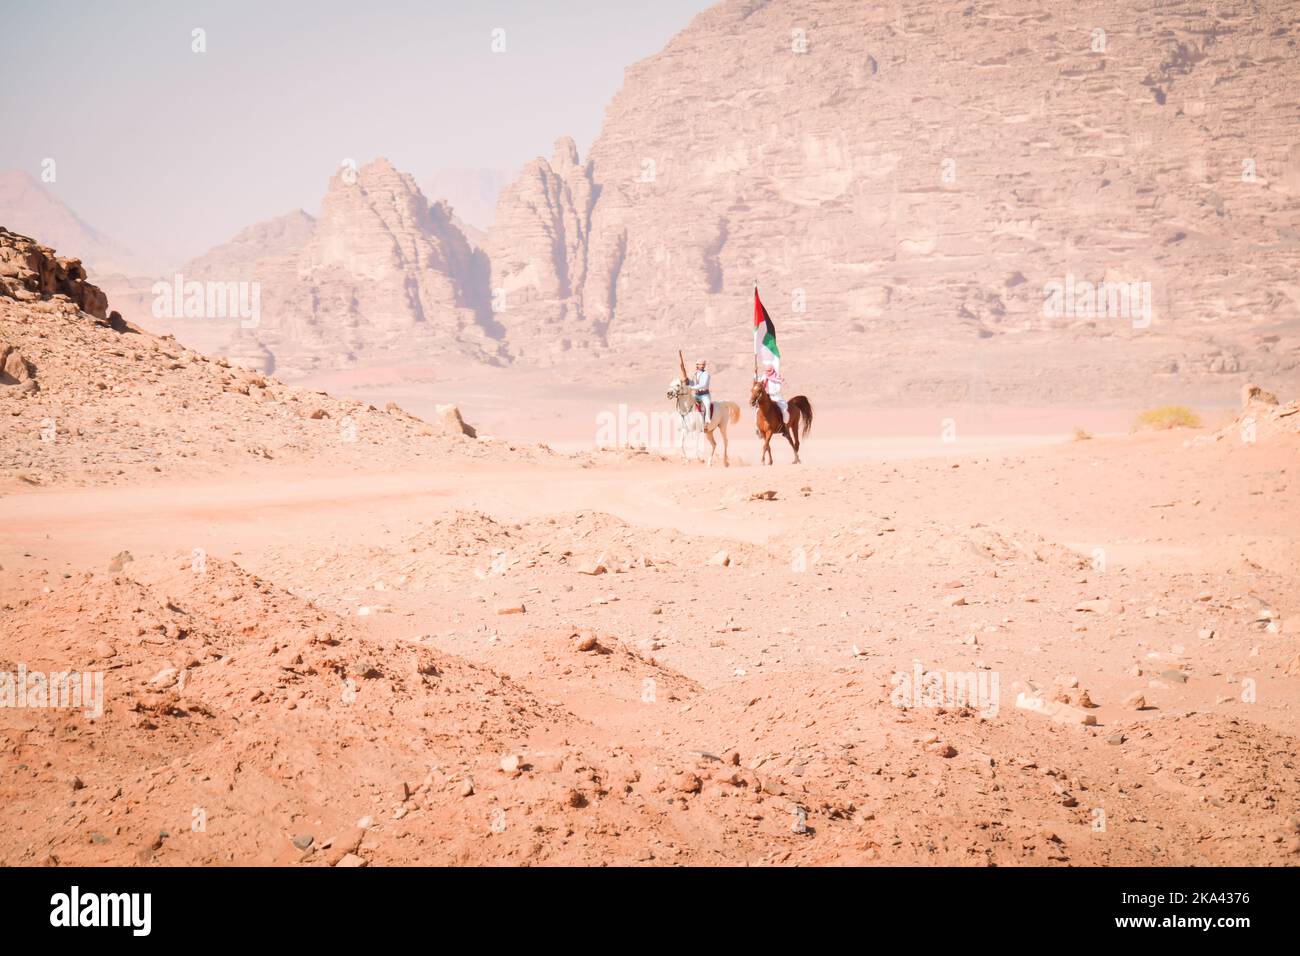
[{"x": 692, "y": 422}]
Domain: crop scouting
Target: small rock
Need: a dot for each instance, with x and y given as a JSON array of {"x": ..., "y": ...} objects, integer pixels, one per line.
[
  {"x": 119, "y": 561},
  {"x": 687, "y": 782},
  {"x": 345, "y": 845},
  {"x": 1098, "y": 606},
  {"x": 304, "y": 841},
  {"x": 164, "y": 678}
]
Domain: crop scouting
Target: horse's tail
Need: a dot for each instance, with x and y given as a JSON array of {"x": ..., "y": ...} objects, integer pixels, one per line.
[
  {"x": 733, "y": 410},
  {"x": 805, "y": 412}
]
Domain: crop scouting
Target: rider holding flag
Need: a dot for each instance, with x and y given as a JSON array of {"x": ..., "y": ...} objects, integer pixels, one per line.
[{"x": 772, "y": 382}]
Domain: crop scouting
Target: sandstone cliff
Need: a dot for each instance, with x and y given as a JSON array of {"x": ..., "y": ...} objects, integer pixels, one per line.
[{"x": 907, "y": 181}]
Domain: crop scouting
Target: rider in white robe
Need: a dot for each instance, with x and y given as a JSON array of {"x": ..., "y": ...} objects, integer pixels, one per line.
[{"x": 700, "y": 386}]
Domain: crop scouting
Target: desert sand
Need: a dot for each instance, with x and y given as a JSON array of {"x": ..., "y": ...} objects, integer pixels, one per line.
[{"x": 421, "y": 647}]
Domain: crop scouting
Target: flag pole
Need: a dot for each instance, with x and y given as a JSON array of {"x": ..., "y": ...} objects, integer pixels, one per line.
[
  {"x": 682, "y": 362},
  {"x": 755, "y": 335}
]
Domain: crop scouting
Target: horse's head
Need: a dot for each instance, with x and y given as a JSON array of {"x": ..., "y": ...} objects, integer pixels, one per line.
[
  {"x": 675, "y": 388},
  {"x": 755, "y": 393}
]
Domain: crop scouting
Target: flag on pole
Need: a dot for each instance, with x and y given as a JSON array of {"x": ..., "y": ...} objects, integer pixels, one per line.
[{"x": 765, "y": 349}]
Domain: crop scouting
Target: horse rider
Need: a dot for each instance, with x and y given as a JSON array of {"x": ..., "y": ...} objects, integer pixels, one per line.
[
  {"x": 772, "y": 382},
  {"x": 700, "y": 386}
]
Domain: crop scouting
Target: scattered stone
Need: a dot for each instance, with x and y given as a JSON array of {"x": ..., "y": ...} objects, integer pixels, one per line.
[
  {"x": 511, "y": 609},
  {"x": 304, "y": 841},
  {"x": 1097, "y": 606},
  {"x": 954, "y": 600},
  {"x": 1135, "y": 701},
  {"x": 721, "y": 559},
  {"x": 350, "y": 860},
  {"x": 467, "y": 787},
  {"x": 512, "y": 763},
  {"x": 164, "y": 678},
  {"x": 344, "y": 845},
  {"x": 1058, "y": 712},
  {"x": 687, "y": 782},
  {"x": 120, "y": 560}
]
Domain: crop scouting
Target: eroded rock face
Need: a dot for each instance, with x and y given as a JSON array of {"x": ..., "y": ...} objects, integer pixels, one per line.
[
  {"x": 538, "y": 249},
  {"x": 381, "y": 275},
  {"x": 31, "y": 272},
  {"x": 908, "y": 181}
]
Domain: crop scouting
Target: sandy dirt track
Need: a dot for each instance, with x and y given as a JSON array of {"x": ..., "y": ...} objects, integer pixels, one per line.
[{"x": 625, "y": 660}]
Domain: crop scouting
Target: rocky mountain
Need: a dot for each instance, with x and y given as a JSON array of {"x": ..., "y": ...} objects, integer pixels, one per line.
[
  {"x": 381, "y": 274},
  {"x": 929, "y": 194},
  {"x": 279, "y": 238},
  {"x": 538, "y": 250},
  {"x": 33, "y": 209}
]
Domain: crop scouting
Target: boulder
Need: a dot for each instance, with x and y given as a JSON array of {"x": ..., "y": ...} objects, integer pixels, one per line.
[{"x": 452, "y": 423}]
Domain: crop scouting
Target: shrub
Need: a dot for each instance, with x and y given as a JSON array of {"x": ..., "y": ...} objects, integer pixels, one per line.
[{"x": 1168, "y": 416}]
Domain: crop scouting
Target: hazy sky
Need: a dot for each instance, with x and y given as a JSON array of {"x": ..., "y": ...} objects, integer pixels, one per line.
[{"x": 170, "y": 150}]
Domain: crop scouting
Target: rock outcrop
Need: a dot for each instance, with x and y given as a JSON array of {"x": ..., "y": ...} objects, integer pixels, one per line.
[
  {"x": 31, "y": 272},
  {"x": 1262, "y": 418}
]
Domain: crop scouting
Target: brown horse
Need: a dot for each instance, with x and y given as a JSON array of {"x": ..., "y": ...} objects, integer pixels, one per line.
[{"x": 770, "y": 422}]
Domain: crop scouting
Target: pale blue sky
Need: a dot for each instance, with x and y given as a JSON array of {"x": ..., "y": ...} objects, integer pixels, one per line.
[{"x": 166, "y": 149}]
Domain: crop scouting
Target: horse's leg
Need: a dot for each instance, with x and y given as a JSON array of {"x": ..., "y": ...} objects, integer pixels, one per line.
[
  {"x": 789, "y": 436},
  {"x": 726, "y": 445},
  {"x": 713, "y": 446}
]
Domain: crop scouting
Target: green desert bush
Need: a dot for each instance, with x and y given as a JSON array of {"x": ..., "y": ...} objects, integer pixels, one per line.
[{"x": 1168, "y": 416}]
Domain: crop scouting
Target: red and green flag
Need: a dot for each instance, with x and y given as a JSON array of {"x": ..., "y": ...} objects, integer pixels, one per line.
[{"x": 765, "y": 335}]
